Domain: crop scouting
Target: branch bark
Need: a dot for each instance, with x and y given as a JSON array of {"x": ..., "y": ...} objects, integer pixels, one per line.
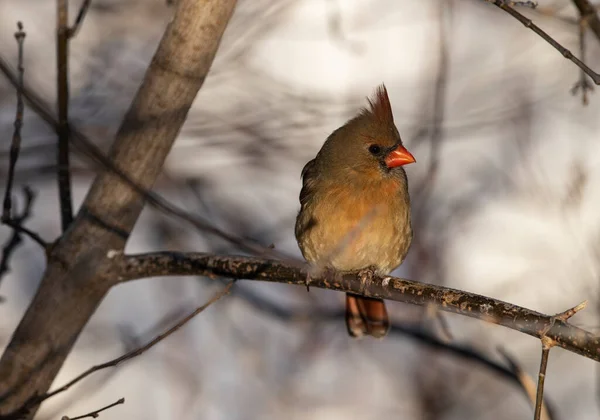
[
  {"x": 76, "y": 280},
  {"x": 555, "y": 328}
]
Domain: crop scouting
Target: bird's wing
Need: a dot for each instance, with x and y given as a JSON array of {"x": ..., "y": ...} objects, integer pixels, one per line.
[{"x": 309, "y": 178}]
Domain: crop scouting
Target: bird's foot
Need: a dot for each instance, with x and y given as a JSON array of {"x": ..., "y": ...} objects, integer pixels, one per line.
[
  {"x": 366, "y": 277},
  {"x": 307, "y": 280}
]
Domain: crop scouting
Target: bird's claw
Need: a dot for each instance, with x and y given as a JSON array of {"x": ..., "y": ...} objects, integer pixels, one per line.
[
  {"x": 366, "y": 276},
  {"x": 307, "y": 280}
]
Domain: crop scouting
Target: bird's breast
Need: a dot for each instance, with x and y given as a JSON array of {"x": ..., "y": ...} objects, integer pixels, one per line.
[{"x": 352, "y": 228}]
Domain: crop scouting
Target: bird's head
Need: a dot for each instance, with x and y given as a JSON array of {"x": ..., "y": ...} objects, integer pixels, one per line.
[{"x": 368, "y": 145}]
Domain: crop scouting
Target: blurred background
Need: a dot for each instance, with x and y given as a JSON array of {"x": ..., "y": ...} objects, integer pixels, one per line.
[{"x": 505, "y": 196}]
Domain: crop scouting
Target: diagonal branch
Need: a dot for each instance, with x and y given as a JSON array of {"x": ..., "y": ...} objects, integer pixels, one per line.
[
  {"x": 96, "y": 413},
  {"x": 536, "y": 29},
  {"x": 15, "y": 145},
  {"x": 556, "y": 328},
  {"x": 36, "y": 400}
]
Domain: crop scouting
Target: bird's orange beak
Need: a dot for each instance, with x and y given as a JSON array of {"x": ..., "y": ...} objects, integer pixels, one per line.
[{"x": 398, "y": 157}]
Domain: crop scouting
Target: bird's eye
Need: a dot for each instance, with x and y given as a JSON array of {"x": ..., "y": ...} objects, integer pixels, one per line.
[{"x": 375, "y": 149}]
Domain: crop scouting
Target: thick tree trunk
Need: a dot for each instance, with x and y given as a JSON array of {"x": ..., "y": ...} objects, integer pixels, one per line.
[{"x": 76, "y": 279}]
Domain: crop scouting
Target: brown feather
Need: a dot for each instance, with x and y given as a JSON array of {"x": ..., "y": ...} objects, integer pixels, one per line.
[
  {"x": 355, "y": 212},
  {"x": 380, "y": 106}
]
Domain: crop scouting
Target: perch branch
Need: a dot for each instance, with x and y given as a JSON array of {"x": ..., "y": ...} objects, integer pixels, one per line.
[
  {"x": 526, "y": 382},
  {"x": 9, "y": 217},
  {"x": 563, "y": 334}
]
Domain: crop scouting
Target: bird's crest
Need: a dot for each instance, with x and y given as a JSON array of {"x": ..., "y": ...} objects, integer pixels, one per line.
[{"x": 380, "y": 107}]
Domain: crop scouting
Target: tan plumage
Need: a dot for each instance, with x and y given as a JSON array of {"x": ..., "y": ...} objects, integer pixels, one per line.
[{"x": 355, "y": 207}]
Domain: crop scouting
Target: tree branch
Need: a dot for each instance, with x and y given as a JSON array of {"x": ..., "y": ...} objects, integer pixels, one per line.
[
  {"x": 76, "y": 281},
  {"x": 94, "y": 414},
  {"x": 79, "y": 19},
  {"x": 38, "y": 399},
  {"x": 536, "y": 29},
  {"x": 563, "y": 334},
  {"x": 588, "y": 11},
  {"x": 15, "y": 145}
]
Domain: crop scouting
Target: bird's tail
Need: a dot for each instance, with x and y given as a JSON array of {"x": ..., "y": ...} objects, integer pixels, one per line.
[{"x": 366, "y": 316}]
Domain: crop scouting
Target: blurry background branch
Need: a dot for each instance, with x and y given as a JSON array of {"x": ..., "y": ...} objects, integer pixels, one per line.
[{"x": 589, "y": 12}]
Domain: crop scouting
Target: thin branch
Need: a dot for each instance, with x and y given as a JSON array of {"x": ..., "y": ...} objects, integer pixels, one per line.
[
  {"x": 95, "y": 414},
  {"x": 62, "y": 86},
  {"x": 529, "y": 24},
  {"x": 526, "y": 382},
  {"x": 583, "y": 83},
  {"x": 135, "y": 352},
  {"x": 79, "y": 20},
  {"x": 15, "y": 145},
  {"x": 17, "y": 224},
  {"x": 547, "y": 343},
  {"x": 539, "y": 397},
  {"x": 588, "y": 11},
  {"x": 10, "y": 217},
  {"x": 565, "y": 335}
]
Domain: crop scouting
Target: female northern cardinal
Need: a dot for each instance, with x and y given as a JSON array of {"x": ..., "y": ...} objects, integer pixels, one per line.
[{"x": 355, "y": 207}]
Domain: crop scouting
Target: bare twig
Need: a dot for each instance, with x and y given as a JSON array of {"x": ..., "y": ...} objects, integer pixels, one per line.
[
  {"x": 79, "y": 20},
  {"x": 527, "y": 383},
  {"x": 139, "y": 350},
  {"x": 10, "y": 217},
  {"x": 15, "y": 145},
  {"x": 539, "y": 396},
  {"x": 547, "y": 343},
  {"x": 588, "y": 11},
  {"x": 62, "y": 85},
  {"x": 96, "y": 413},
  {"x": 583, "y": 83},
  {"x": 17, "y": 224},
  {"x": 536, "y": 29}
]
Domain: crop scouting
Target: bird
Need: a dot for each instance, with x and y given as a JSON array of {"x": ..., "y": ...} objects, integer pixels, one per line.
[{"x": 354, "y": 212}]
